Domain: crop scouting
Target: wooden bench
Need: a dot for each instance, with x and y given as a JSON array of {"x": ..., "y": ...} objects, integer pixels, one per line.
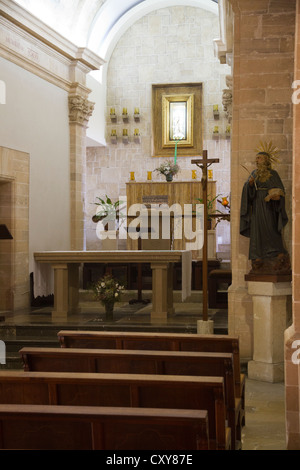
[
  {"x": 122, "y": 390},
  {"x": 48, "y": 427},
  {"x": 162, "y": 342},
  {"x": 142, "y": 362}
]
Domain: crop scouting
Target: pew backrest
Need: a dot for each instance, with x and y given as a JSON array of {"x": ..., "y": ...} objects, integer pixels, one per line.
[
  {"x": 48, "y": 427},
  {"x": 121, "y": 390},
  {"x": 155, "y": 341},
  {"x": 133, "y": 362}
]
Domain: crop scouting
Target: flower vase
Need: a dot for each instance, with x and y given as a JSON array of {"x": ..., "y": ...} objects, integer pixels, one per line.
[
  {"x": 109, "y": 310},
  {"x": 169, "y": 177}
]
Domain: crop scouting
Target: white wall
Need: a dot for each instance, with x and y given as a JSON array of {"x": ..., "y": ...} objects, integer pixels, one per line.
[
  {"x": 35, "y": 120},
  {"x": 169, "y": 45}
]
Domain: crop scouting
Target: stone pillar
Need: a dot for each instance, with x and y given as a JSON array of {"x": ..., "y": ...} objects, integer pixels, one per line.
[
  {"x": 292, "y": 334},
  {"x": 262, "y": 67},
  {"x": 80, "y": 110},
  {"x": 271, "y": 313}
]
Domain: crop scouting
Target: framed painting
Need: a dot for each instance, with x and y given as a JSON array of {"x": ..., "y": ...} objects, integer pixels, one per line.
[{"x": 177, "y": 119}]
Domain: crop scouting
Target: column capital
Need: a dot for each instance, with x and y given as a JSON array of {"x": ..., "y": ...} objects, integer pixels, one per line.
[{"x": 80, "y": 110}]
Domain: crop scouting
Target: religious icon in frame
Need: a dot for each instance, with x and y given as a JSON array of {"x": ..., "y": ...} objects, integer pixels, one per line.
[
  {"x": 177, "y": 119},
  {"x": 177, "y": 115}
]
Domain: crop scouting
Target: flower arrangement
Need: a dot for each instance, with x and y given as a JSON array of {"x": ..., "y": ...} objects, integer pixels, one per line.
[
  {"x": 168, "y": 168},
  {"x": 108, "y": 290}
]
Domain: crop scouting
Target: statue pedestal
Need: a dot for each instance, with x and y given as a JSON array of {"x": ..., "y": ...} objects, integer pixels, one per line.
[{"x": 271, "y": 311}]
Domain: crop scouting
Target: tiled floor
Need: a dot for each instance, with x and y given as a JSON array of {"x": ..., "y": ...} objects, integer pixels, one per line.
[{"x": 265, "y": 412}]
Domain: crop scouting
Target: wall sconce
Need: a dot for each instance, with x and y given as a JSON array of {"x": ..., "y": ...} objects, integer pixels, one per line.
[
  {"x": 125, "y": 115},
  {"x": 136, "y": 136},
  {"x": 136, "y": 114},
  {"x": 113, "y": 136},
  {"x": 216, "y": 111},
  {"x": 228, "y": 132},
  {"x": 216, "y": 134},
  {"x": 125, "y": 136},
  {"x": 113, "y": 116}
]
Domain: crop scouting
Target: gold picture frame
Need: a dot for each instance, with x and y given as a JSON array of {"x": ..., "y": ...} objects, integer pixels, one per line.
[
  {"x": 177, "y": 116},
  {"x": 171, "y": 102}
]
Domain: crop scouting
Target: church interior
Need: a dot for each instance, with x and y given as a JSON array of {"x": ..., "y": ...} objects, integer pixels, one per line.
[{"x": 96, "y": 98}]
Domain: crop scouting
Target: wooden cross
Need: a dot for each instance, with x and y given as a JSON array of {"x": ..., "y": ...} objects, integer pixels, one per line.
[{"x": 204, "y": 163}]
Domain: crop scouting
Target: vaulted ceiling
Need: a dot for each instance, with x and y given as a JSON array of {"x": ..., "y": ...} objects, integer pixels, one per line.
[{"x": 98, "y": 24}]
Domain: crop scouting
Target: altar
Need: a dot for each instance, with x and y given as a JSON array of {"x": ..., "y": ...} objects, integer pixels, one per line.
[
  {"x": 179, "y": 193},
  {"x": 66, "y": 276}
]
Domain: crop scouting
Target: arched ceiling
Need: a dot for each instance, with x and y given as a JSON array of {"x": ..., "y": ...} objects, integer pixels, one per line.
[{"x": 98, "y": 24}]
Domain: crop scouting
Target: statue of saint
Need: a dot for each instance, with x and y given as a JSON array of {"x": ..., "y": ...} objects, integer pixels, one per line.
[{"x": 263, "y": 216}]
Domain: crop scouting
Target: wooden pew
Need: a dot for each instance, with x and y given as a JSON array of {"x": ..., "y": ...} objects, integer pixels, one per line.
[
  {"x": 122, "y": 390},
  {"x": 142, "y": 362},
  {"x": 160, "y": 341},
  {"x": 48, "y": 427}
]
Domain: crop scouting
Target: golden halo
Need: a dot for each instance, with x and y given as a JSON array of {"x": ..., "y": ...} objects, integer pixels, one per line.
[{"x": 270, "y": 149}]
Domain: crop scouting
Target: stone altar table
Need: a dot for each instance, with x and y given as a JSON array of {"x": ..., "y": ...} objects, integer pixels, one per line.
[{"x": 66, "y": 276}]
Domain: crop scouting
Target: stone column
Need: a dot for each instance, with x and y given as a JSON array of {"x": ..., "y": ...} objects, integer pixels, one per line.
[
  {"x": 263, "y": 56},
  {"x": 292, "y": 334},
  {"x": 80, "y": 110},
  {"x": 271, "y": 313}
]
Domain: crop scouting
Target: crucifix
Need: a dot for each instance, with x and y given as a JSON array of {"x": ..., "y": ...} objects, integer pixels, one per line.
[{"x": 204, "y": 163}]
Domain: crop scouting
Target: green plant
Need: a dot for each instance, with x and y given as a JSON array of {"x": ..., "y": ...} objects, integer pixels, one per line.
[
  {"x": 108, "y": 289},
  {"x": 107, "y": 209},
  {"x": 210, "y": 205},
  {"x": 167, "y": 168}
]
